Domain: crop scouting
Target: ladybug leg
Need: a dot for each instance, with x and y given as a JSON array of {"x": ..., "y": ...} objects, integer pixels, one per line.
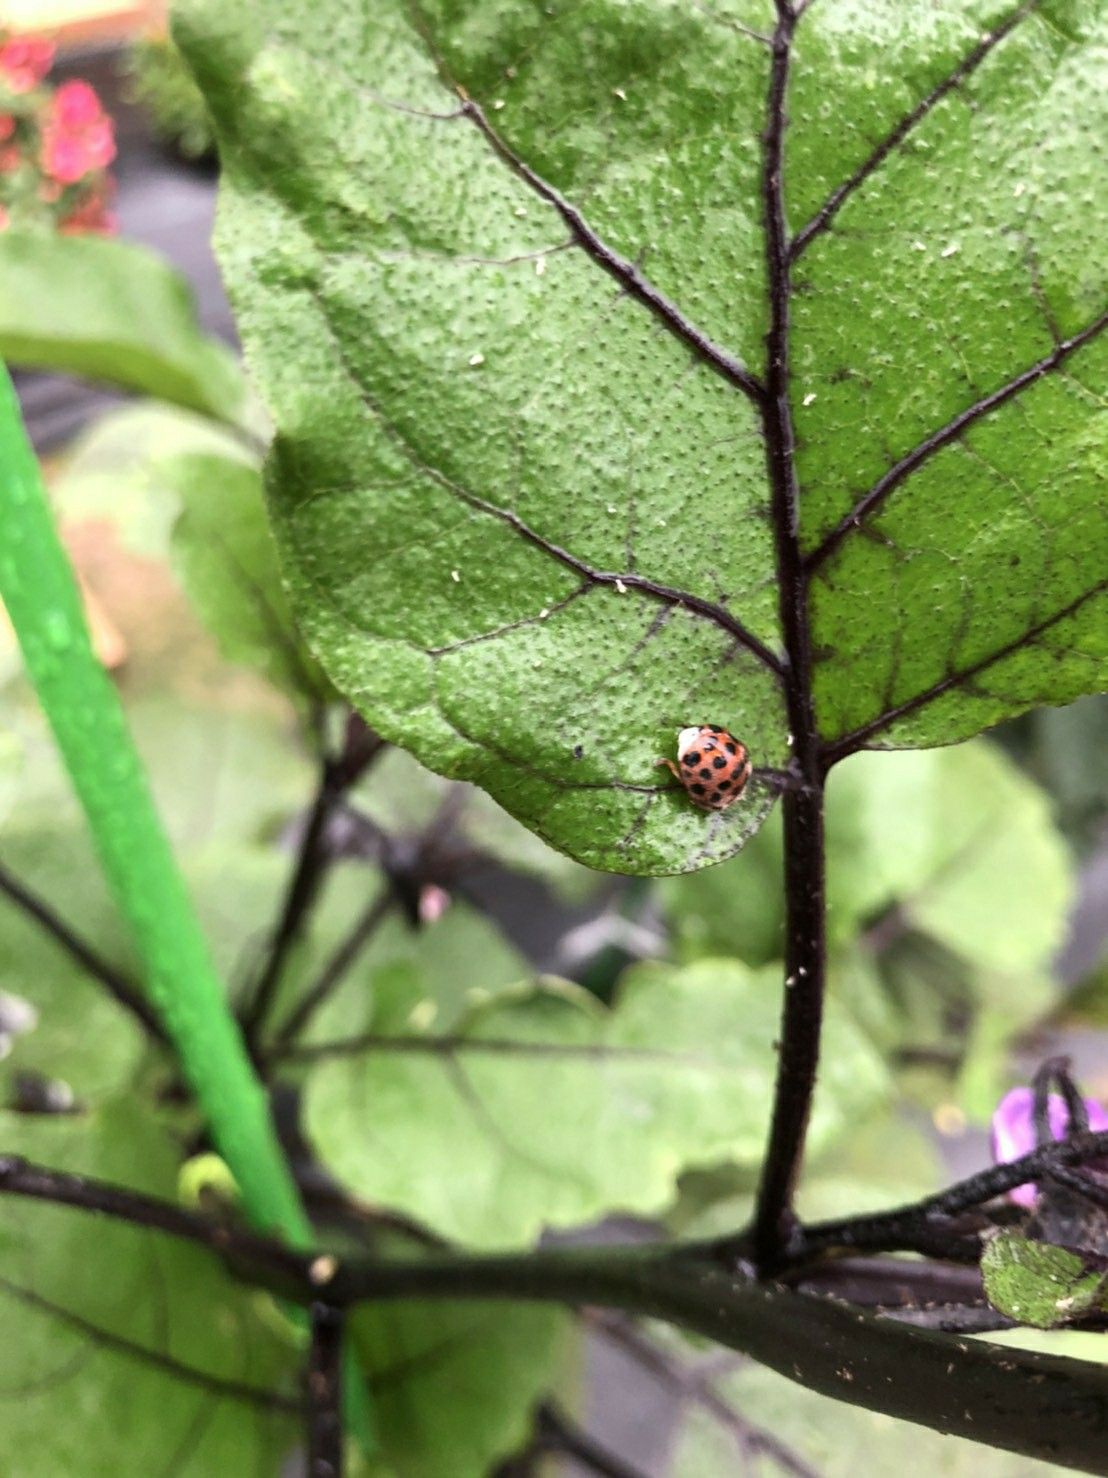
[{"x": 670, "y": 766}]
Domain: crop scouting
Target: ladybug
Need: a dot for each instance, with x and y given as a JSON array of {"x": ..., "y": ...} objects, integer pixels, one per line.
[{"x": 712, "y": 766}]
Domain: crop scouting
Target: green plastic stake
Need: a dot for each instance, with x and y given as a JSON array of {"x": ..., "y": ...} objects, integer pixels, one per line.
[{"x": 83, "y": 709}]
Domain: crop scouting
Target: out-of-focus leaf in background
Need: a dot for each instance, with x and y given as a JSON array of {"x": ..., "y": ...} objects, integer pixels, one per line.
[
  {"x": 546, "y": 1109},
  {"x": 121, "y": 1348}
]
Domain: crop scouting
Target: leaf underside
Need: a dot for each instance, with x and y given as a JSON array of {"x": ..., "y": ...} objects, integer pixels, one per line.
[
  {"x": 501, "y": 276},
  {"x": 122, "y": 1351}
]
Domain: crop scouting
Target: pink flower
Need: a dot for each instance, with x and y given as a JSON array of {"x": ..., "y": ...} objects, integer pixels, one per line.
[
  {"x": 77, "y": 137},
  {"x": 76, "y": 105},
  {"x": 24, "y": 63},
  {"x": 1014, "y": 1130}
]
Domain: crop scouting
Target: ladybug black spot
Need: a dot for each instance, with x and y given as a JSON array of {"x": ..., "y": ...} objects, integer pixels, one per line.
[
  {"x": 692, "y": 758},
  {"x": 730, "y": 748},
  {"x": 718, "y": 795},
  {"x": 697, "y": 789},
  {"x": 725, "y": 785},
  {"x": 719, "y": 763},
  {"x": 705, "y": 774}
]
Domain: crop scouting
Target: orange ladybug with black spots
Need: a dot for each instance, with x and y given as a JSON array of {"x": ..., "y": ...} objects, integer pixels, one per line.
[{"x": 712, "y": 765}]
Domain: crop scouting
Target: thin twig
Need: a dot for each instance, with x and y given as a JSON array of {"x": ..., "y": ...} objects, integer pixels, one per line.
[
  {"x": 325, "y": 1392},
  {"x": 693, "y": 1384},
  {"x": 267, "y": 1260},
  {"x": 905, "y": 1227},
  {"x": 333, "y": 973},
  {"x": 114, "y": 981},
  {"x": 556, "y": 1432},
  {"x": 270, "y": 1264},
  {"x": 953, "y": 1319},
  {"x": 307, "y": 874},
  {"x": 888, "y": 1283},
  {"x": 336, "y": 776}
]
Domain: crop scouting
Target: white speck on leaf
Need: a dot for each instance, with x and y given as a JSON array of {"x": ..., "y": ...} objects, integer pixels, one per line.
[
  {"x": 475, "y": 360},
  {"x": 948, "y": 251},
  {"x": 619, "y": 93},
  {"x": 621, "y": 587},
  {"x": 455, "y": 575},
  {"x": 809, "y": 398},
  {"x": 540, "y": 266},
  {"x": 423, "y": 1014}
]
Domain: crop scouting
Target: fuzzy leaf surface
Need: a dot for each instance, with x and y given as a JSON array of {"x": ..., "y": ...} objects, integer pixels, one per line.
[{"x": 500, "y": 271}]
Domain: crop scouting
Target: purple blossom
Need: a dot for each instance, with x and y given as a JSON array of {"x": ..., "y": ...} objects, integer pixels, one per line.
[{"x": 1014, "y": 1130}]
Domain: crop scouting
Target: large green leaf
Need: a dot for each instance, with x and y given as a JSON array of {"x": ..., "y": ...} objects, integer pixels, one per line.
[
  {"x": 112, "y": 311},
  {"x": 484, "y": 258},
  {"x": 123, "y": 1352},
  {"x": 547, "y": 1109},
  {"x": 454, "y": 1384}
]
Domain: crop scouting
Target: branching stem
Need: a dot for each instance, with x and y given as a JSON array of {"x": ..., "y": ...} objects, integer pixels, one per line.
[
  {"x": 337, "y": 774},
  {"x": 802, "y": 1010}
]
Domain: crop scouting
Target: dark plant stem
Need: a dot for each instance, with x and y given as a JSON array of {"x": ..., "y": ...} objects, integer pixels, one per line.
[
  {"x": 337, "y": 774},
  {"x": 690, "y": 1383},
  {"x": 891, "y": 1283},
  {"x": 828, "y": 1346},
  {"x": 306, "y": 876},
  {"x": 556, "y": 1432},
  {"x": 801, "y": 1023},
  {"x": 908, "y": 1228},
  {"x": 114, "y": 981},
  {"x": 325, "y": 1392},
  {"x": 299, "y": 1276},
  {"x": 802, "y": 1009},
  {"x": 331, "y": 976}
]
